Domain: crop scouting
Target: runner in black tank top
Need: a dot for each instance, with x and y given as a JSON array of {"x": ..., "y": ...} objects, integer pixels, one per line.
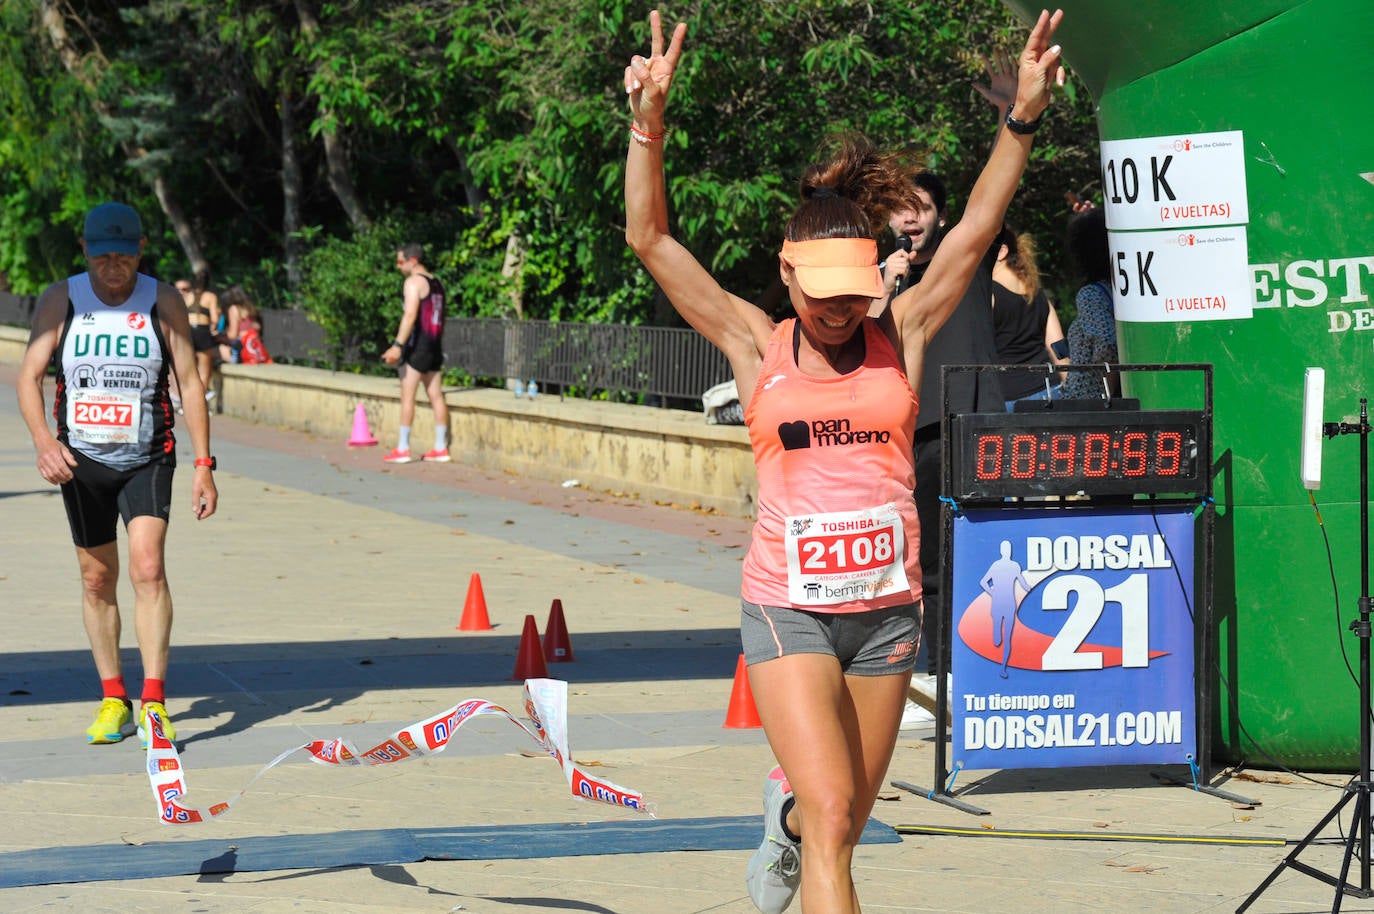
[{"x": 417, "y": 348}]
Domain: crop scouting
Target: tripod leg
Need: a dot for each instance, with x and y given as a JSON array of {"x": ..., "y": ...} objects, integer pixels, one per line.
[
  {"x": 1359, "y": 828},
  {"x": 1292, "y": 858}
]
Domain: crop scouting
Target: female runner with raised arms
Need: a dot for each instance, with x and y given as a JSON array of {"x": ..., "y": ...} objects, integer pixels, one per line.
[{"x": 832, "y": 583}]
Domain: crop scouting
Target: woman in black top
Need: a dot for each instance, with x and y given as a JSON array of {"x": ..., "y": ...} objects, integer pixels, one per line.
[
  {"x": 1027, "y": 328},
  {"x": 202, "y": 312}
]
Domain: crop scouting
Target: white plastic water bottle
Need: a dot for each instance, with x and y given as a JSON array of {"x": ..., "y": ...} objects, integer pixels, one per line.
[
  {"x": 519, "y": 388},
  {"x": 532, "y": 389}
]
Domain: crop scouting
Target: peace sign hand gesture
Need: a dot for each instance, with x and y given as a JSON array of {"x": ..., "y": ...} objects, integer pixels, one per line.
[
  {"x": 1039, "y": 68},
  {"x": 647, "y": 79}
]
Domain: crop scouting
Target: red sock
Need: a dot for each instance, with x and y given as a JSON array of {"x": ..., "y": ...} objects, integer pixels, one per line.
[
  {"x": 154, "y": 690},
  {"x": 114, "y": 688}
]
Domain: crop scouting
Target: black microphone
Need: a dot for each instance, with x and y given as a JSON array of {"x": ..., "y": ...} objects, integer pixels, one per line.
[{"x": 903, "y": 244}]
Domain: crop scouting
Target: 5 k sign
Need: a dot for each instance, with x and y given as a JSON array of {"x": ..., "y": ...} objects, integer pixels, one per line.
[
  {"x": 1176, "y": 210},
  {"x": 1073, "y": 638}
]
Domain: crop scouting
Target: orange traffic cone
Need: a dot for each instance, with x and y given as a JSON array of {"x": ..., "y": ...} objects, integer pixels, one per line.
[
  {"x": 475, "y": 608},
  {"x": 529, "y": 662},
  {"x": 557, "y": 647},
  {"x": 742, "y": 715},
  {"x": 362, "y": 434}
]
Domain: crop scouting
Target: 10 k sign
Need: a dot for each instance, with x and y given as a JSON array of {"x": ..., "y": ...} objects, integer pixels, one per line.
[
  {"x": 1073, "y": 638},
  {"x": 1174, "y": 182},
  {"x": 1176, "y": 210}
]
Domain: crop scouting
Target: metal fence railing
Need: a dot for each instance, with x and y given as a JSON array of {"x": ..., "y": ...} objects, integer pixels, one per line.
[
  {"x": 16, "y": 309},
  {"x": 590, "y": 358},
  {"x": 292, "y": 336},
  {"x": 584, "y": 359}
]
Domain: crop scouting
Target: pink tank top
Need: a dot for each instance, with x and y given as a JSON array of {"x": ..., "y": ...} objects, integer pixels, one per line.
[{"x": 837, "y": 529}]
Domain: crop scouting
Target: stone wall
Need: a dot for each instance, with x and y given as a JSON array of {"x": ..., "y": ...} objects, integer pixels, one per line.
[{"x": 655, "y": 454}]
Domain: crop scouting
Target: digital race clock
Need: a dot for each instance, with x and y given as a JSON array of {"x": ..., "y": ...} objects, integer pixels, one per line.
[{"x": 1122, "y": 452}]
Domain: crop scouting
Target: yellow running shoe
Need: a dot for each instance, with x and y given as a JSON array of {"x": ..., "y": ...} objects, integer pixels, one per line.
[
  {"x": 167, "y": 729},
  {"x": 110, "y": 722}
]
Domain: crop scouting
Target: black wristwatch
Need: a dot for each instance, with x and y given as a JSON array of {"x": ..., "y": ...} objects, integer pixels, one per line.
[{"x": 1025, "y": 128}]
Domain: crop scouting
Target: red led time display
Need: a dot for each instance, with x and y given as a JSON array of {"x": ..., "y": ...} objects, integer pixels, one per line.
[{"x": 1011, "y": 454}]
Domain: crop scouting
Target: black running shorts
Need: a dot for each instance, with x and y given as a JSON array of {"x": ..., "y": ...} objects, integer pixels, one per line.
[
  {"x": 202, "y": 340},
  {"x": 424, "y": 356},
  {"x": 98, "y": 495}
]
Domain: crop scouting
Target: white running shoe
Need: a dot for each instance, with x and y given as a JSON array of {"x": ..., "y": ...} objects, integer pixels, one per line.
[
  {"x": 922, "y": 692},
  {"x": 774, "y": 872},
  {"x": 914, "y": 717}
]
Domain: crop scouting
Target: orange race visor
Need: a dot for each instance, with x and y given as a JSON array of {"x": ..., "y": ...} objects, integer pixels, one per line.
[{"x": 827, "y": 267}]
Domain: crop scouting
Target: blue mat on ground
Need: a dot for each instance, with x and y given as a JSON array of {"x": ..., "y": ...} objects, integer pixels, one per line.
[{"x": 96, "y": 862}]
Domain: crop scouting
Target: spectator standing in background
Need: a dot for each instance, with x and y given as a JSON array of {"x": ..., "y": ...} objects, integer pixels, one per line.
[
  {"x": 202, "y": 310},
  {"x": 231, "y": 308},
  {"x": 1026, "y": 325},
  {"x": 243, "y": 331},
  {"x": 1092, "y": 335},
  {"x": 967, "y": 338},
  {"x": 418, "y": 349}
]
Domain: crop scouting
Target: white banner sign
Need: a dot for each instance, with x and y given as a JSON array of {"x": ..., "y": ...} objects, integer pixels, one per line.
[
  {"x": 1187, "y": 275},
  {"x": 1176, "y": 215},
  {"x": 1183, "y": 181}
]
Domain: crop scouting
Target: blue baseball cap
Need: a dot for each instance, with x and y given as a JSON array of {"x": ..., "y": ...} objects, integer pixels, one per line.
[{"x": 112, "y": 228}]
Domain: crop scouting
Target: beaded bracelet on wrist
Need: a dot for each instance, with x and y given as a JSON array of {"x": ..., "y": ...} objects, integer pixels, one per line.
[{"x": 644, "y": 137}]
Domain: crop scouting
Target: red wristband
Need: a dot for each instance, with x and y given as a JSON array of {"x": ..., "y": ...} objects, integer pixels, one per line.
[
  {"x": 644, "y": 138},
  {"x": 207, "y": 462}
]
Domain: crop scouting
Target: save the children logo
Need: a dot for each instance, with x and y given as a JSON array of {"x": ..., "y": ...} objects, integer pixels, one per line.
[{"x": 800, "y": 434}]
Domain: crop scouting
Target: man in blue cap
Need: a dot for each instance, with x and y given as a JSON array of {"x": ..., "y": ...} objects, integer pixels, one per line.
[{"x": 117, "y": 336}]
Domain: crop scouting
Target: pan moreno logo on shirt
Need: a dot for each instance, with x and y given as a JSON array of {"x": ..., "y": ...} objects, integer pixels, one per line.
[{"x": 827, "y": 433}]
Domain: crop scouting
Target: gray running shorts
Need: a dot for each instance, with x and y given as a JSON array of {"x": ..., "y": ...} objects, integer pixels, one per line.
[{"x": 874, "y": 643}]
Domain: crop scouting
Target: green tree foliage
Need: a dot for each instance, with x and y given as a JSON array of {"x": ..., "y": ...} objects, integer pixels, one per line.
[
  {"x": 54, "y": 159},
  {"x": 494, "y": 132},
  {"x": 763, "y": 84},
  {"x": 350, "y": 280}
]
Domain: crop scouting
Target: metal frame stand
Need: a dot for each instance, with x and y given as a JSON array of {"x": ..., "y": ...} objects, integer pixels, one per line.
[
  {"x": 1359, "y": 788},
  {"x": 1202, "y": 765}
]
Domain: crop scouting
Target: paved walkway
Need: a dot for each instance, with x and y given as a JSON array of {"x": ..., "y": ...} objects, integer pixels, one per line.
[{"x": 322, "y": 601}]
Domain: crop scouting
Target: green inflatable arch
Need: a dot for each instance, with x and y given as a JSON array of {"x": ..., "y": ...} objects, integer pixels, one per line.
[{"x": 1238, "y": 172}]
